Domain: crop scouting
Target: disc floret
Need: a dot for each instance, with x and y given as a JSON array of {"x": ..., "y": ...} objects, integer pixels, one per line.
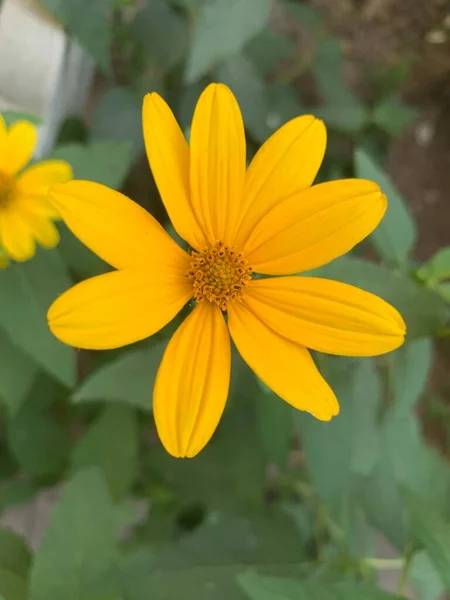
[{"x": 219, "y": 274}]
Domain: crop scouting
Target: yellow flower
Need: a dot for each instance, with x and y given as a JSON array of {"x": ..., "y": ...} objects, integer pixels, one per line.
[
  {"x": 265, "y": 220},
  {"x": 26, "y": 216}
]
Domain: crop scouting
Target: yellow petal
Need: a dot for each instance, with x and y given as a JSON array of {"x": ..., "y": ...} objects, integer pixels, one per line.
[
  {"x": 38, "y": 178},
  {"x": 16, "y": 236},
  {"x": 327, "y": 316},
  {"x": 117, "y": 229},
  {"x": 192, "y": 384},
  {"x": 44, "y": 230},
  {"x": 217, "y": 162},
  {"x": 286, "y": 164},
  {"x": 315, "y": 226},
  {"x": 168, "y": 155},
  {"x": 18, "y": 148},
  {"x": 285, "y": 367},
  {"x": 118, "y": 308},
  {"x": 33, "y": 184}
]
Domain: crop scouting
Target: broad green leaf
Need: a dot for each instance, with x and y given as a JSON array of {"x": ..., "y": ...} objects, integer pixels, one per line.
[
  {"x": 129, "y": 378},
  {"x": 347, "y": 446},
  {"x": 437, "y": 269},
  {"x": 17, "y": 373},
  {"x": 11, "y": 116},
  {"x": 15, "y": 556},
  {"x": 267, "y": 49},
  {"x": 89, "y": 22},
  {"x": 392, "y": 115},
  {"x": 103, "y": 162},
  {"x": 274, "y": 424},
  {"x": 304, "y": 13},
  {"x": 40, "y": 444},
  {"x": 100, "y": 448},
  {"x": 424, "y": 312},
  {"x": 396, "y": 234},
  {"x": 273, "y": 588},
  {"x": 162, "y": 33},
  {"x": 411, "y": 366},
  {"x": 12, "y": 587},
  {"x": 222, "y": 29},
  {"x": 78, "y": 554},
  {"x": 207, "y": 561},
  {"x": 249, "y": 88},
  {"x": 340, "y": 108},
  {"x": 118, "y": 116},
  {"x": 432, "y": 531},
  {"x": 424, "y": 579},
  {"x": 16, "y": 492},
  {"x": 349, "y": 118},
  {"x": 404, "y": 458},
  {"x": 28, "y": 289},
  {"x": 443, "y": 289},
  {"x": 78, "y": 257},
  {"x": 283, "y": 105}
]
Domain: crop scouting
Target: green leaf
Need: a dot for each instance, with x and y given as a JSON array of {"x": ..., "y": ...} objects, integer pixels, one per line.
[
  {"x": 283, "y": 104},
  {"x": 340, "y": 109},
  {"x": 392, "y": 115},
  {"x": 16, "y": 492},
  {"x": 78, "y": 554},
  {"x": 249, "y": 88},
  {"x": 162, "y": 33},
  {"x": 12, "y": 587},
  {"x": 411, "y": 369},
  {"x": 222, "y": 29},
  {"x": 424, "y": 312},
  {"x": 437, "y": 269},
  {"x": 100, "y": 448},
  {"x": 272, "y": 588},
  {"x": 304, "y": 13},
  {"x": 432, "y": 531},
  {"x": 396, "y": 234},
  {"x": 274, "y": 425},
  {"x": 103, "y": 162},
  {"x": 17, "y": 373},
  {"x": 28, "y": 290},
  {"x": 40, "y": 445},
  {"x": 118, "y": 116},
  {"x": 267, "y": 49},
  {"x": 203, "y": 565},
  {"x": 338, "y": 451},
  {"x": 423, "y": 578},
  {"x": 11, "y": 116},
  {"x": 129, "y": 378},
  {"x": 15, "y": 556},
  {"x": 404, "y": 458},
  {"x": 89, "y": 22}
]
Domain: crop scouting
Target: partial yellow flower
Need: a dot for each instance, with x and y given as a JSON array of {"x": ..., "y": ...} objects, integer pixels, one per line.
[
  {"x": 265, "y": 219},
  {"x": 26, "y": 215}
]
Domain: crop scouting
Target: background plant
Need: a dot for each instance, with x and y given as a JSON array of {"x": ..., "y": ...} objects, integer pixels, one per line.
[{"x": 278, "y": 505}]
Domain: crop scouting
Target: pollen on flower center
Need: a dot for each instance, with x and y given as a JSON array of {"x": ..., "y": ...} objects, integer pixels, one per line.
[
  {"x": 6, "y": 188},
  {"x": 219, "y": 274}
]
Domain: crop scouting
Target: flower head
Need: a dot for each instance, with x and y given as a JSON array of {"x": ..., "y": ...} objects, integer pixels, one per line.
[
  {"x": 266, "y": 219},
  {"x": 26, "y": 216}
]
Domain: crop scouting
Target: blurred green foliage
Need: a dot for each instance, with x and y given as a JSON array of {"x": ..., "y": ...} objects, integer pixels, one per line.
[{"x": 278, "y": 506}]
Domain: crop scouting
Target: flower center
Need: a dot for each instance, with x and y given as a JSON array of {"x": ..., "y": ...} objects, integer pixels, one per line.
[
  {"x": 6, "y": 188},
  {"x": 219, "y": 274}
]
